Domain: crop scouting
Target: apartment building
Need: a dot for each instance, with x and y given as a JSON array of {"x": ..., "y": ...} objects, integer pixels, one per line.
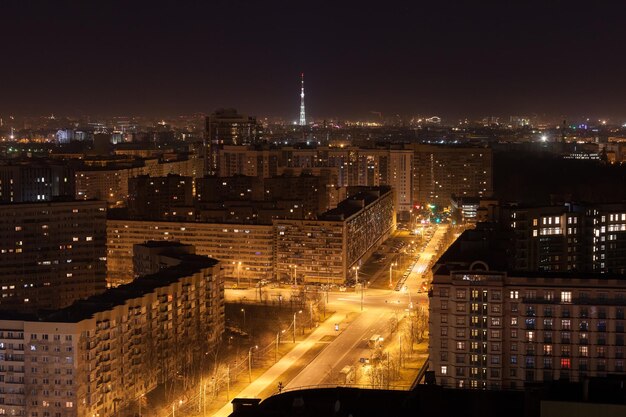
[
  {"x": 51, "y": 253},
  {"x": 568, "y": 237},
  {"x": 441, "y": 171},
  {"x": 23, "y": 182},
  {"x": 100, "y": 355},
  {"x": 160, "y": 197},
  {"x": 110, "y": 183},
  {"x": 246, "y": 252},
  {"x": 493, "y": 327},
  {"x": 326, "y": 249}
]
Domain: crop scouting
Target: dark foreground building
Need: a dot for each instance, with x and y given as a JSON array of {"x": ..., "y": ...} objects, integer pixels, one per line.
[{"x": 601, "y": 396}]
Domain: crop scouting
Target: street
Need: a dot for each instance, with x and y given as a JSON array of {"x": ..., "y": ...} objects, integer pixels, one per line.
[{"x": 371, "y": 310}]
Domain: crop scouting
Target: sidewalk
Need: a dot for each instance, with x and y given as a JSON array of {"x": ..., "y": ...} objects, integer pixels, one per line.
[{"x": 260, "y": 384}]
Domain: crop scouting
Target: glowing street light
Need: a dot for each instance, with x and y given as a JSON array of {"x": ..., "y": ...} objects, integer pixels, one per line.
[
  {"x": 294, "y": 325},
  {"x": 243, "y": 310},
  {"x": 391, "y": 273},
  {"x": 250, "y": 362}
]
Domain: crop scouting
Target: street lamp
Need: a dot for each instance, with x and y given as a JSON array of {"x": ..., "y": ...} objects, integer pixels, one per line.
[
  {"x": 391, "y": 273},
  {"x": 180, "y": 402},
  {"x": 356, "y": 272},
  {"x": 294, "y": 325},
  {"x": 250, "y": 362},
  {"x": 277, "y": 343},
  {"x": 243, "y": 310}
]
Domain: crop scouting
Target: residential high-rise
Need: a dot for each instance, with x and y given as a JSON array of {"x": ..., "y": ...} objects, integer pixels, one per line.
[
  {"x": 99, "y": 356},
  {"x": 227, "y": 127},
  {"x": 568, "y": 237},
  {"x": 160, "y": 198},
  {"x": 51, "y": 253},
  {"x": 441, "y": 171},
  {"x": 24, "y": 182},
  {"x": 494, "y": 327}
]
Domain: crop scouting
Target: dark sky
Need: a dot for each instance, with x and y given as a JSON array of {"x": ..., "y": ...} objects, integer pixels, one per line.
[{"x": 448, "y": 58}]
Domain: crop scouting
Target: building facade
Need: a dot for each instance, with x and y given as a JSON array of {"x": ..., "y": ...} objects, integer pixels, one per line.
[
  {"x": 110, "y": 183},
  {"x": 326, "y": 249},
  {"x": 101, "y": 355},
  {"x": 492, "y": 326},
  {"x": 443, "y": 171},
  {"x": 569, "y": 237},
  {"x": 160, "y": 197},
  {"x": 246, "y": 252},
  {"x": 493, "y": 330},
  {"x": 52, "y": 253},
  {"x": 34, "y": 181}
]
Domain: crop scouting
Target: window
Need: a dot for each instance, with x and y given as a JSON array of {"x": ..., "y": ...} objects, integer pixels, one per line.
[
  {"x": 460, "y": 345},
  {"x": 547, "y": 349},
  {"x": 444, "y": 370},
  {"x": 514, "y": 295},
  {"x": 566, "y": 296},
  {"x": 460, "y": 307},
  {"x": 460, "y": 294},
  {"x": 566, "y": 363},
  {"x": 530, "y": 336},
  {"x": 566, "y": 324},
  {"x": 513, "y": 321},
  {"x": 444, "y": 331},
  {"x": 444, "y": 305},
  {"x": 583, "y": 351},
  {"x": 495, "y": 321},
  {"x": 444, "y": 318}
]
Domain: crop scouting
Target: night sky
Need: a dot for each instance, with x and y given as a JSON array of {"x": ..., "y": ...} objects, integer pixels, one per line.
[{"x": 448, "y": 58}]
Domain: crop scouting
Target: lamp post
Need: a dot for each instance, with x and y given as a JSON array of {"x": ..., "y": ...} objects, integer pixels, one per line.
[
  {"x": 250, "y": 362},
  {"x": 243, "y": 310},
  {"x": 391, "y": 273},
  {"x": 277, "y": 343},
  {"x": 294, "y": 325},
  {"x": 180, "y": 402},
  {"x": 356, "y": 278}
]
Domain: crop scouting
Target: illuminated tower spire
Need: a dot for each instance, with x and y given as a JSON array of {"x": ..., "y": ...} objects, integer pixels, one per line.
[{"x": 302, "y": 113}]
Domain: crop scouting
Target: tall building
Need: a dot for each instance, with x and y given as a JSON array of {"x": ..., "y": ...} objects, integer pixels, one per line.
[
  {"x": 101, "y": 355},
  {"x": 443, "y": 171},
  {"x": 568, "y": 237},
  {"x": 51, "y": 253},
  {"x": 227, "y": 127},
  {"x": 24, "y": 182},
  {"x": 494, "y": 327},
  {"x": 326, "y": 249},
  {"x": 160, "y": 197}
]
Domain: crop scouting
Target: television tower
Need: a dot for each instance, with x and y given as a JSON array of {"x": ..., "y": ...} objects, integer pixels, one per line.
[{"x": 302, "y": 113}]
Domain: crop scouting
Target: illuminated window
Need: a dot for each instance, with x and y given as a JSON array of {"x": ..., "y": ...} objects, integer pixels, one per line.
[
  {"x": 566, "y": 296},
  {"x": 444, "y": 370},
  {"x": 566, "y": 363}
]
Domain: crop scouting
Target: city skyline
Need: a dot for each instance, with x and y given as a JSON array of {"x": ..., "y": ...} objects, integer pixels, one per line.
[{"x": 452, "y": 60}]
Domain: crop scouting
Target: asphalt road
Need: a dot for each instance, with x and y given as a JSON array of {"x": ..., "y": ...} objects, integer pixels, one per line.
[{"x": 372, "y": 313}]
